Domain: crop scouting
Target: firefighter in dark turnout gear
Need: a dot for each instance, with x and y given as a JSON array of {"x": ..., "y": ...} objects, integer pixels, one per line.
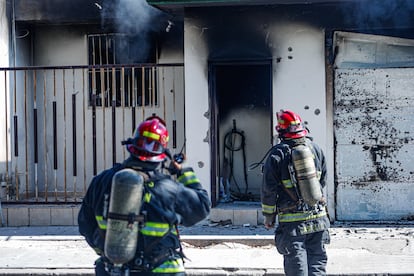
[
  {"x": 165, "y": 203},
  {"x": 302, "y": 226}
]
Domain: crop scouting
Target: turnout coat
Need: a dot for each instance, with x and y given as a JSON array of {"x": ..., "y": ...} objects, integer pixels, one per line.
[{"x": 166, "y": 204}]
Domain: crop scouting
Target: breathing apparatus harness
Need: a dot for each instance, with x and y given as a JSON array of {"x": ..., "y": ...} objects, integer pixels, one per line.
[
  {"x": 296, "y": 196},
  {"x": 306, "y": 194},
  {"x": 140, "y": 262},
  {"x": 299, "y": 175},
  {"x": 229, "y": 144}
]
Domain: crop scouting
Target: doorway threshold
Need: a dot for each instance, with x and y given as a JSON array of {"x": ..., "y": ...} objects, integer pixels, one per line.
[{"x": 238, "y": 213}]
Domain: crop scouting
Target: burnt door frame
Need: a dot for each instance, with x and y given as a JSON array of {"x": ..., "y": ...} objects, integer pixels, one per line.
[{"x": 214, "y": 115}]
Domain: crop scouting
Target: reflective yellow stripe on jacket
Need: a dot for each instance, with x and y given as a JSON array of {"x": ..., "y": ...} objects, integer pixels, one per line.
[
  {"x": 172, "y": 266},
  {"x": 301, "y": 216},
  {"x": 287, "y": 183},
  {"x": 188, "y": 178},
  {"x": 156, "y": 229},
  {"x": 101, "y": 222},
  {"x": 268, "y": 209}
]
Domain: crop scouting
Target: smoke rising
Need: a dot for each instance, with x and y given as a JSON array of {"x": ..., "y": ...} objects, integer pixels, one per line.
[
  {"x": 135, "y": 16},
  {"x": 140, "y": 22},
  {"x": 366, "y": 14}
]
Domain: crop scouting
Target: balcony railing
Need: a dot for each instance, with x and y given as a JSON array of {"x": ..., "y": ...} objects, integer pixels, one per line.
[{"x": 63, "y": 125}]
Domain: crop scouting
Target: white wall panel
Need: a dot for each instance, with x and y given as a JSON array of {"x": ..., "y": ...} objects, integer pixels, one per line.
[{"x": 374, "y": 111}]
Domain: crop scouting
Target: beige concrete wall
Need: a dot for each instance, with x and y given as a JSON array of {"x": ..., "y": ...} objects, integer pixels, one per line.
[
  {"x": 196, "y": 101},
  {"x": 67, "y": 215},
  {"x": 60, "y": 45},
  {"x": 5, "y": 53},
  {"x": 40, "y": 215},
  {"x": 4, "y": 35}
]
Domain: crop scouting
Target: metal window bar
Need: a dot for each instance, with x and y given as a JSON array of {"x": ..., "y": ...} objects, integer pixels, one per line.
[
  {"x": 104, "y": 49},
  {"x": 51, "y": 130}
]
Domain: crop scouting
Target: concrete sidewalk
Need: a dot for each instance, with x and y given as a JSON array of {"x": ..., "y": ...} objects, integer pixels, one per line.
[{"x": 214, "y": 250}]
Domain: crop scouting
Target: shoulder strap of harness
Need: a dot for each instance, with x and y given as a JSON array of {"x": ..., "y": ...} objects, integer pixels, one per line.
[
  {"x": 300, "y": 202},
  {"x": 294, "y": 195},
  {"x": 163, "y": 256},
  {"x": 145, "y": 264},
  {"x": 131, "y": 218}
]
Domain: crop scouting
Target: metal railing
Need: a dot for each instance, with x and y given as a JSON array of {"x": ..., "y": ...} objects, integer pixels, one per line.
[{"x": 63, "y": 125}]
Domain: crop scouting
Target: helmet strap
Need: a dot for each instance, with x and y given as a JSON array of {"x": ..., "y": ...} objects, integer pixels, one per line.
[{"x": 136, "y": 164}]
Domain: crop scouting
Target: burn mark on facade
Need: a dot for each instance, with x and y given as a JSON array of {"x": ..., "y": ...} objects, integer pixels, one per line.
[
  {"x": 372, "y": 122},
  {"x": 379, "y": 155}
]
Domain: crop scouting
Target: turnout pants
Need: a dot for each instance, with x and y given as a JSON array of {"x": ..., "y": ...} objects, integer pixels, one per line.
[{"x": 303, "y": 255}]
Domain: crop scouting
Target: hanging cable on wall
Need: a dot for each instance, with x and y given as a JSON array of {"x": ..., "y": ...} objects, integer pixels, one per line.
[{"x": 234, "y": 141}]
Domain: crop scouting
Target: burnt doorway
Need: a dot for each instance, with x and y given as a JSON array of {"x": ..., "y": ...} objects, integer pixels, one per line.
[{"x": 241, "y": 133}]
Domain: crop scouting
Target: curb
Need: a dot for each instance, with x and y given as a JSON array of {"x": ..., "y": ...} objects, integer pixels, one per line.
[
  {"x": 47, "y": 272},
  {"x": 189, "y": 272},
  {"x": 204, "y": 241}
]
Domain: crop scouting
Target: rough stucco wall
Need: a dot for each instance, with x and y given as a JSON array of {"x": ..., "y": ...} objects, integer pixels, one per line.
[
  {"x": 172, "y": 48},
  {"x": 4, "y": 62},
  {"x": 373, "y": 129},
  {"x": 299, "y": 74},
  {"x": 299, "y": 85},
  {"x": 297, "y": 51},
  {"x": 196, "y": 100},
  {"x": 4, "y": 35},
  {"x": 169, "y": 55},
  {"x": 374, "y": 143},
  {"x": 60, "y": 45}
]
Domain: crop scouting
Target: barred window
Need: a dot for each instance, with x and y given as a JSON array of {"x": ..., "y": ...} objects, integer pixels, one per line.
[{"x": 118, "y": 80}]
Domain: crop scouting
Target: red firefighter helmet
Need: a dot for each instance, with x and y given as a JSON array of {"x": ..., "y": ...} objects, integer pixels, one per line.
[
  {"x": 150, "y": 140},
  {"x": 290, "y": 125}
]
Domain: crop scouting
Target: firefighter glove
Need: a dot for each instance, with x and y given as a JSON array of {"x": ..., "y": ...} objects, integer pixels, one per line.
[{"x": 269, "y": 221}]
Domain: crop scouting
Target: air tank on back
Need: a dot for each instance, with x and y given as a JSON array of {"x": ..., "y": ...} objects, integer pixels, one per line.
[
  {"x": 309, "y": 185},
  {"x": 124, "y": 205}
]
